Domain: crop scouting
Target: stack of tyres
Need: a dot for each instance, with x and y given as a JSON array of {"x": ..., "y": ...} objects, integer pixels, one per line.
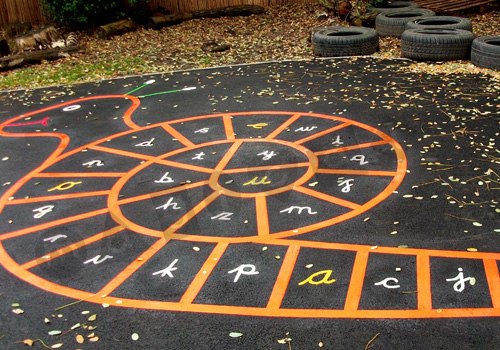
[
  {"x": 437, "y": 38},
  {"x": 436, "y": 44},
  {"x": 392, "y": 23}
]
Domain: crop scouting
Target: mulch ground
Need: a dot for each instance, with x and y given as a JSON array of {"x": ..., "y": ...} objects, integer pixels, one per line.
[{"x": 281, "y": 33}]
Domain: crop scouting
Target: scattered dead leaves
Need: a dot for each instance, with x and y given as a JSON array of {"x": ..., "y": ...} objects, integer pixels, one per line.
[{"x": 281, "y": 33}]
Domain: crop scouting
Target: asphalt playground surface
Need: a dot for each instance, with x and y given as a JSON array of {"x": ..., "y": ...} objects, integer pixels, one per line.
[{"x": 336, "y": 204}]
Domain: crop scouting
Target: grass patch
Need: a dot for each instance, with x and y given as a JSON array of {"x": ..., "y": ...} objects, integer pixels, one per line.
[{"x": 73, "y": 71}]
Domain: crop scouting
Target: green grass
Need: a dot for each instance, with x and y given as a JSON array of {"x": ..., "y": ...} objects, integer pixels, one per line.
[{"x": 73, "y": 71}]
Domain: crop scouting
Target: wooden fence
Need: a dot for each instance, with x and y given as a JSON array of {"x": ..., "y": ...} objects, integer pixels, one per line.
[
  {"x": 20, "y": 11},
  {"x": 31, "y": 10},
  {"x": 191, "y": 5}
]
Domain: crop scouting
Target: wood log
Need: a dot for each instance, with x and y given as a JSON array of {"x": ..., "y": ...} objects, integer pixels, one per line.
[
  {"x": 116, "y": 28},
  {"x": 231, "y": 11},
  {"x": 16, "y": 61},
  {"x": 157, "y": 22}
]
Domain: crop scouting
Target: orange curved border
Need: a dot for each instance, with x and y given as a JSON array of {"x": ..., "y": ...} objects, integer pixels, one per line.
[
  {"x": 312, "y": 166},
  {"x": 397, "y": 175},
  {"x": 273, "y": 308},
  {"x": 63, "y": 138}
]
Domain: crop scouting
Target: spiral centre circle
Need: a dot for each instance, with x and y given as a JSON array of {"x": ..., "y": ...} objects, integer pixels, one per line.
[{"x": 263, "y": 167}]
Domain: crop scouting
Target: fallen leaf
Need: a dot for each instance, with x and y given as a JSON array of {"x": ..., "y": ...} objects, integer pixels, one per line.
[
  {"x": 235, "y": 334},
  {"x": 28, "y": 342},
  {"x": 80, "y": 339},
  {"x": 55, "y": 332},
  {"x": 92, "y": 318},
  {"x": 57, "y": 346}
]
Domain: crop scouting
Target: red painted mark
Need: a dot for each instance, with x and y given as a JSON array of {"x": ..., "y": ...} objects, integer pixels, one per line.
[{"x": 44, "y": 122}]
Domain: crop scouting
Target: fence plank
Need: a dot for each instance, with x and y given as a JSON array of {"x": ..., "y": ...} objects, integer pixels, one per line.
[{"x": 20, "y": 11}]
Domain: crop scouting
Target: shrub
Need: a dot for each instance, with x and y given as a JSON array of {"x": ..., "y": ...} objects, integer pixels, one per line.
[{"x": 80, "y": 14}]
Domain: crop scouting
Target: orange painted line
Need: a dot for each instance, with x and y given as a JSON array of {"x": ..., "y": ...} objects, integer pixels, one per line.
[
  {"x": 227, "y": 157},
  {"x": 135, "y": 103},
  {"x": 493, "y": 278},
  {"x": 70, "y": 248},
  {"x": 389, "y": 250},
  {"x": 202, "y": 276},
  {"x": 41, "y": 283},
  {"x": 239, "y": 114},
  {"x": 356, "y": 172},
  {"x": 328, "y": 198},
  {"x": 50, "y": 224},
  {"x": 57, "y": 197},
  {"x": 127, "y": 117},
  {"x": 284, "y": 276},
  {"x": 312, "y": 166},
  {"x": 283, "y": 126},
  {"x": 187, "y": 306},
  {"x": 184, "y": 166},
  {"x": 121, "y": 152},
  {"x": 265, "y": 167},
  {"x": 51, "y": 175},
  {"x": 190, "y": 214},
  {"x": 357, "y": 280},
  {"x": 304, "y": 313},
  {"x": 351, "y": 148},
  {"x": 133, "y": 267},
  {"x": 162, "y": 193},
  {"x": 198, "y": 117},
  {"x": 64, "y": 141},
  {"x": 424, "y": 295},
  {"x": 177, "y": 135},
  {"x": 262, "y": 216},
  {"x": 228, "y": 126},
  {"x": 52, "y": 287},
  {"x": 322, "y": 133}
]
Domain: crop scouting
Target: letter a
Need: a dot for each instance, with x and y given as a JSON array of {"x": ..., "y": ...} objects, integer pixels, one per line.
[
  {"x": 324, "y": 280},
  {"x": 359, "y": 158}
]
